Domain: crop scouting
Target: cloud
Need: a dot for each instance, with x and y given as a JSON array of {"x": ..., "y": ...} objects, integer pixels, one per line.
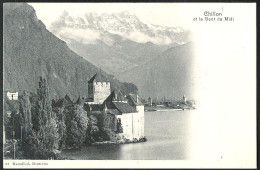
[
  {"x": 140, "y": 37},
  {"x": 90, "y": 36},
  {"x": 85, "y": 36}
]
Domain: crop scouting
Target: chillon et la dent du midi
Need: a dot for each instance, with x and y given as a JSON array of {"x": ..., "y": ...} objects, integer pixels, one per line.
[{"x": 125, "y": 111}]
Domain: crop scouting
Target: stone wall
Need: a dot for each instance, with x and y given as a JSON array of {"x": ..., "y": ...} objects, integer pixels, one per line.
[{"x": 101, "y": 91}]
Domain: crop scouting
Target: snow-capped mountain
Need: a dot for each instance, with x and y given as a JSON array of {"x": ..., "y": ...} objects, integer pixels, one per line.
[
  {"x": 116, "y": 42},
  {"x": 125, "y": 24}
]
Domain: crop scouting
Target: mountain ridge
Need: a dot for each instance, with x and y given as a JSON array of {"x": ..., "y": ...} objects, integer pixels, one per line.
[
  {"x": 119, "y": 23},
  {"x": 168, "y": 75},
  {"x": 31, "y": 51},
  {"x": 155, "y": 58},
  {"x": 116, "y": 42}
]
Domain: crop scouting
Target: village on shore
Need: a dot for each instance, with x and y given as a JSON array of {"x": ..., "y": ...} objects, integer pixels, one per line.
[{"x": 167, "y": 104}]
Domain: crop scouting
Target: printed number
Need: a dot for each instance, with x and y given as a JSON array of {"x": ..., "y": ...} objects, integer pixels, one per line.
[{"x": 7, "y": 163}]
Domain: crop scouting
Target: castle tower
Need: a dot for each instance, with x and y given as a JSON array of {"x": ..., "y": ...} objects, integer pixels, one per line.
[
  {"x": 98, "y": 89},
  {"x": 184, "y": 99}
]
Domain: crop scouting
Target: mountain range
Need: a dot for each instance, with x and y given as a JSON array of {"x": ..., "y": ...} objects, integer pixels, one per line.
[
  {"x": 158, "y": 59},
  {"x": 30, "y": 51},
  {"x": 117, "y": 42},
  {"x": 158, "y": 68},
  {"x": 170, "y": 75}
]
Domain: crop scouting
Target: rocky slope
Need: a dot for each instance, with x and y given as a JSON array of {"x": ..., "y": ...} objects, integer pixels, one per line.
[{"x": 30, "y": 51}]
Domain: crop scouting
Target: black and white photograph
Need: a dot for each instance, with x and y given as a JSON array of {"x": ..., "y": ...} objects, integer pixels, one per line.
[{"x": 129, "y": 85}]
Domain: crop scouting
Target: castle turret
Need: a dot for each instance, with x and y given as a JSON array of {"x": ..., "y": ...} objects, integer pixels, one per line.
[{"x": 98, "y": 89}]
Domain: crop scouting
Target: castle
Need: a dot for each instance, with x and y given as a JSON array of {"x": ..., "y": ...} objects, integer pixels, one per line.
[
  {"x": 98, "y": 89},
  {"x": 127, "y": 112}
]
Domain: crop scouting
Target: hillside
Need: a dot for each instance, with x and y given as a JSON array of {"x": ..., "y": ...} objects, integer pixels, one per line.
[
  {"x": 168, "y": 75},
  {"x": 30, "y": 51},
  {"x": 116, "y": 42},
  {"x": 123, "y": 55}
]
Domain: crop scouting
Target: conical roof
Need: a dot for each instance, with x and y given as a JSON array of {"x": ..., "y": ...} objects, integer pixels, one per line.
[
  {"x": 80, "y": 101},
  {"x": 68, "y": 99}
]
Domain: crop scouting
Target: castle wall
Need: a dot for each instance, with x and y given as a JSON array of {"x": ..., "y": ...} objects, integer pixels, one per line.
[
  {"x": 133, "y": 124},
  {"x": 126, "y": 121},
  {"x": 101, "y": 90},
  {"x": 139, "y": 123}
]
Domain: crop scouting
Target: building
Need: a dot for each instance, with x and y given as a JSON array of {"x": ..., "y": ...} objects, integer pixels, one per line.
[
  {"x": 150, "y": 102},
  {"x": 184, "y": 99},
  {"x": 12, "y": 96},
  {"x": 98, "y": 89},
  {"x": 127, "y": 112}
]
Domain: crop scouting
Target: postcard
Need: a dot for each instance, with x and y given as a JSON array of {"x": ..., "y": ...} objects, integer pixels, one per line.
[{"x": 129, "y": 85}]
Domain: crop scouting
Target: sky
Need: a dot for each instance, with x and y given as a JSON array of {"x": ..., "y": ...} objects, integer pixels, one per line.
[{"x": 165, "y": 14}]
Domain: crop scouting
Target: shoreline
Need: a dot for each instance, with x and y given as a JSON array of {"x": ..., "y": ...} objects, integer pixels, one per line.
[
  {"x": 165, "y": 109},
  {"x": 119, "y": 142}
]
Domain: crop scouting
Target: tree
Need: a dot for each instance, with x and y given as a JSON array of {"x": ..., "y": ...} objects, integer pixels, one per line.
[
  {"x": 60, "y": 120},
  {"x": 6, "y": 118},
  {"x": 129, "y": 88},
  {"x": 40, "y": 141},
  {"x": 25, "y": 112},
  {"x": 39, "y": 145},
  {"x": 11, "y": 117},
  {"x": 93, "y": 129},
  {"x": 76, "y": 125},
  {"x": 107, "y": 127},
  {"x": 44, "y": 102}
]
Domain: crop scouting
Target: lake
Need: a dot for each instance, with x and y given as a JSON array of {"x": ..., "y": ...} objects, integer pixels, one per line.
[{"x": 167, "y": 134}]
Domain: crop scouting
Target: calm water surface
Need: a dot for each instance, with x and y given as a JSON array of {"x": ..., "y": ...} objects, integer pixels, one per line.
[{"x": 167, "y": 134}]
